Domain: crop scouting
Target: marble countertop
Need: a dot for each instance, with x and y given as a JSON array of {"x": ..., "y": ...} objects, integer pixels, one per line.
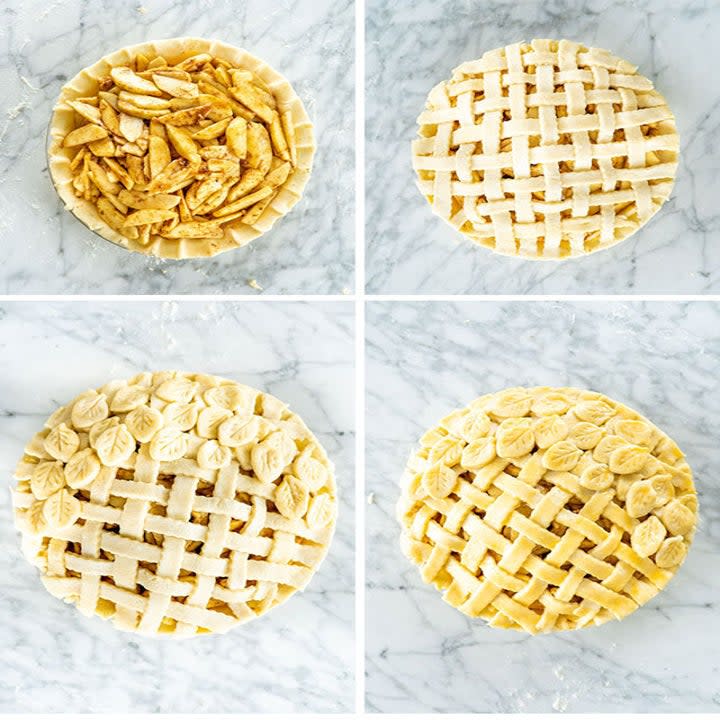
[
  {"x": 300, "y": 657},
  {"x": 409, "y": 250},
  {"x": 425, "y": 359},
  {"x": 46, "y": 250}
]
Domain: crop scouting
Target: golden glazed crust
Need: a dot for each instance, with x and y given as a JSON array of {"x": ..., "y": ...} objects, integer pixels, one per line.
[
  {"x": 234, "y": 233},
  {"x": 546, "y": 150},
  {"x": 175, "y": 503},
  {"x": 544, "y": 509}
]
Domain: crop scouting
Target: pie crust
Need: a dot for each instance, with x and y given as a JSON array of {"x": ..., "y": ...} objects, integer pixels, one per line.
[
  {"x": 248, "y": 223},
  {"x": 544, "y": 509},
  {"x": 546, "y": 151},
  {"x": 175, "y": 503}
]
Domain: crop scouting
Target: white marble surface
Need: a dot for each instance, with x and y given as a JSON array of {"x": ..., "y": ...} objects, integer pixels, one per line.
[
  {"x": 410, "y": 250},
  {"x": 45, "y": 42},
  {"x": 424, "y": 360},
  {"x": 297, "y": 658}
]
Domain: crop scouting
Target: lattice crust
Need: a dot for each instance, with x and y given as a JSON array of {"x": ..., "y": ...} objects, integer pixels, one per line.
[
  {"x": 547, "y": 150},
  {"x": 543, "y": 509},
  {"x": 175, "y": 503}
]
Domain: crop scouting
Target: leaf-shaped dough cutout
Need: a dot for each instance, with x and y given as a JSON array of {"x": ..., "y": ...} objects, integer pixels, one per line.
[
  {"x": 291, "y": 497},
  {"x": 652, "y": 467},
  {"x": 635, "y": 432},
  {"x": 115, "y": 445},
  {"x": 311, "y": 471},
  {"x": 439, "y": 481},
  {"x": 272, "y": 408},
  {"x": 35, "y": 522},
  {"x": 432, "y": 436},
  {"x": 448, "y": 450},
  {"x": 478, "y": 453},
  {"x": 548, "y": 430},
  {"x": 47, "y": 478},
  {"x": 143, "y": 422},
  {"x": 550, "y": 403},
  {"x": 641, "y": 498},
  {"x": 62, "y": 442},
  {"x": 272, "y": 456},
  {"x": 606, "y": 446},
  {"x": 628, "y": 459},
  {"x": 597, "y": 412},
  {"x": 169, "y": 443},
  {"x": 82, "y": 468},
  {"x": 97, "y": 430},
  {"x": 177, "y": 390},
  {"x": 678, "y": 519},
  {"x": 232, "y": 397},
  {"x": 585, "y": 435},
  {"x": 128, "y": 398},
  {"x": 514, "y": 438},
  {"x": 514, "y": 402},
  {"x": 213, "y": 456},
  {"x": 563, "y": 456},
  {"x": 647, "y": 537},
  {"x": 88, "y": 409},
  {"x": 294, "y": 428},
  {"x": 182, "y": 415},
  {"x": 474, "y": 426},
  {"x": 265, "y": 428},
  {"x": 209, "y": 419},
  {"x": 671, "y": 553},
  {"x": 596, "y": 477},
  {"x": 321, "y": 511},
  {"x": 664, "y": 488},
  {"x": 61, "y": 415},
  {"x": 239, "y": 430},
  {"x": 451, "y": 423},
  {"x": 61, "y": 510}
]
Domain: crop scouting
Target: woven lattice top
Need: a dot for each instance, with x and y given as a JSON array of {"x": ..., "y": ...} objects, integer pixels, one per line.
[
  {"x": 547, "y": 509},
  {"x": 175, "y": 503},
  {"x": 547, "y": 150}
]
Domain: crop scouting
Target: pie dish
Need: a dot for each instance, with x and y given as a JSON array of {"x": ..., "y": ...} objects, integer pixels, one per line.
[
  {"x": 175, "y": 503},
  {"x": 180, "y": 148},
  {"x": 544, "y": 509},
  {"x": 546, "y": 151}
]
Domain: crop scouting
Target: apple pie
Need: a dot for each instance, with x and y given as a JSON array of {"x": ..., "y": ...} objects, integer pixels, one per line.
[
  {"x": 175, "y": 503},
  {"x": 546, "y": 150},
  {"x": 180, "y": 148},
  {"x": 544, "y": 509}
]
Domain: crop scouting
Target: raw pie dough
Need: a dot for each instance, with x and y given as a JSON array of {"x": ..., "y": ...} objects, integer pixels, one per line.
[
  {"x": 543, "y": 509},
  {"x": 547, "y": 151},
  {"x": 192, "y": 120},
  {"x": 175, "y": 503}
]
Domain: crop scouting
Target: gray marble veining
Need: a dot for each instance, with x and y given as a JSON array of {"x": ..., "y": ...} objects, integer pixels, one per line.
[
  {"x": 44, "y": 43},
  {"x": 300, "y": 657},
  {"x": 425, "y": 359},
  {"x": 409, "y": 250}
]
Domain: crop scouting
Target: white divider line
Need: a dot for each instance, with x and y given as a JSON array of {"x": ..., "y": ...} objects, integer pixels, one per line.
[{"x": 359, "y": 357}]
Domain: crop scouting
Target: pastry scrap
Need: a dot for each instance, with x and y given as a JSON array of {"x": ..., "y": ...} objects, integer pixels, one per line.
[
  {"x": 544, "y": 509},
  {"x": 175, "y": 503},
  {"x": 180, "y": 148},
  {"x": 546, "y": 151}
]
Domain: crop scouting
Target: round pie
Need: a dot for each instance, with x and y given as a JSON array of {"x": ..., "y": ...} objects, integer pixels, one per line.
[
  {"x": 180, "y": 148},
  {"x": 175, "y": 503},
  {"x": 543, "y": 509},
  {"x": 546, "y": 151}
]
